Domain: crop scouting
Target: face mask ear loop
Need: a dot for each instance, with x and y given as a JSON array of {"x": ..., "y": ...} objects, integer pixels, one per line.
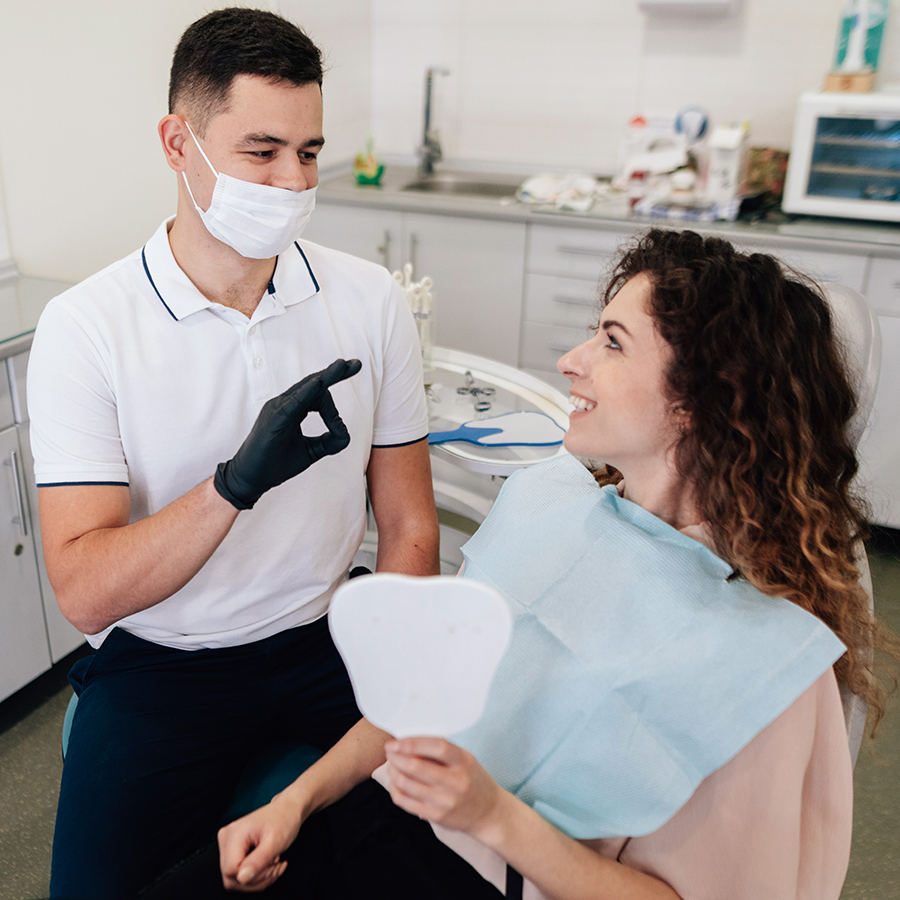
[{"x": 206, "y": 159}]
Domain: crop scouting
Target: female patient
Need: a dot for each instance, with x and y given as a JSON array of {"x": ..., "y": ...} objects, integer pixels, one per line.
[{"x": 716, "y": 397}]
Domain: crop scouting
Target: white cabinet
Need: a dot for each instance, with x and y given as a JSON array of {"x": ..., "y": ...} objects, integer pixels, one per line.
[
  {"x": 62, "y": 635},
  {"x": 477, "y": 267},
  {"x": 24, "y": 653},
  {"x": 883, "y": 290},
  {"x": 373, "y": 234},
  {"x": 880, "y": 449},
  {"x": 850, "y": 269},
  {"x": 564, "y": 271}
]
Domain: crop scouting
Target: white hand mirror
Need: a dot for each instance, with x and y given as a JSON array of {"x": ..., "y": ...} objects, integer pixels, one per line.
[{"x": 421, "y": 652}]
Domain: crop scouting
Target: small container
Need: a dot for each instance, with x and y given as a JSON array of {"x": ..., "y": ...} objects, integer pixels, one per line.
[{"x": 368, "y": 167}]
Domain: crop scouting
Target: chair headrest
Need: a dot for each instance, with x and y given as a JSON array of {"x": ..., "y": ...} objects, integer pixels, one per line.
[{"x": 856, "y": 326}]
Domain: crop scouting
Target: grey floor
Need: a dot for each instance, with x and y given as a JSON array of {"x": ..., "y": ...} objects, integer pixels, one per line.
[{"x": 30, "y": 767}]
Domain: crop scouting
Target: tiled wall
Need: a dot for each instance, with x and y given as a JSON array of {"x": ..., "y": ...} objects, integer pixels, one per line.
[{"x": 552, "y": 84}]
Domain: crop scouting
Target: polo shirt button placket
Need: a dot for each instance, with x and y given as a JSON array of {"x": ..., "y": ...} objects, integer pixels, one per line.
[{"x": 261, "y": 380}]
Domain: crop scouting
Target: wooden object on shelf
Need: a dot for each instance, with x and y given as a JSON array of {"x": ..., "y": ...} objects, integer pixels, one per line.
[{"x": 849, "y": 82}]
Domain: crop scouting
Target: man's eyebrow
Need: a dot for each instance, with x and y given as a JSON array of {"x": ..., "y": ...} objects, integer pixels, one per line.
[
  {"x": 263, "y": 138},
  {"x": 610, "y": 323}
]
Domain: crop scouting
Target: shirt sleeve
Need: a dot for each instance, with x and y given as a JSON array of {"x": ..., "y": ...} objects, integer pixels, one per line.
[
  {"x": 401, "y": 416},
  {"x": 75, "y": 435},
  {"x": 773, "y": 822}
]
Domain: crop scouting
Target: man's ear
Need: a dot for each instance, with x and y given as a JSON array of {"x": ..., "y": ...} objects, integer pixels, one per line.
[{"x": 172, "y": 134}]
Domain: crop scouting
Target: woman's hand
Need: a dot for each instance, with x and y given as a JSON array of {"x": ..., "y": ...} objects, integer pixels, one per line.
[
  {"x": 438, "y": 781},
  {"x": 250, "y": 848}
]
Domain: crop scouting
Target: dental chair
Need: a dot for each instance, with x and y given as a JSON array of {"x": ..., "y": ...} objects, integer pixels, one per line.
[{"x": 857, "y": 325}]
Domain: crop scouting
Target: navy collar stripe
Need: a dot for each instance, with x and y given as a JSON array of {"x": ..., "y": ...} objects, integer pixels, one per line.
[
  {"x": 153, "y": 284},
  {"x": 271, "y": 287},
  {"x": 308, "y": 267}
]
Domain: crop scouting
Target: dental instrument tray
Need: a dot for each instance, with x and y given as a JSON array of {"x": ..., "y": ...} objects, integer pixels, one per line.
[{"x": 515, "y": 429}]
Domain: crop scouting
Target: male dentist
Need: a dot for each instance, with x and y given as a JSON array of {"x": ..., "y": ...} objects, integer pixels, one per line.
[{"x": 207, "y": 416}]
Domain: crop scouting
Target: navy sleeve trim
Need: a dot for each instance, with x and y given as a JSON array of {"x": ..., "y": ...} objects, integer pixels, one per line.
[
  {"x": 153, "y": 285},
  {"x": 308, "y": 266},
  {"x": 81, "y": 483},
  {"x": 404, "y": 444}
]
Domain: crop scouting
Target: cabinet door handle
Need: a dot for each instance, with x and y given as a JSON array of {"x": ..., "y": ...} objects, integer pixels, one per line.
[
  {"x": 560, "y": 348},
  {"x": 385, "y": 250},
  {"x": 20, "y": 519},
  {"x": 582, "y": 251},
  {"x": 572, "y": 301}
]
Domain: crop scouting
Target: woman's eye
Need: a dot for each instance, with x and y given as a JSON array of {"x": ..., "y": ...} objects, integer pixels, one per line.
[{"x": 613, "y": 343}]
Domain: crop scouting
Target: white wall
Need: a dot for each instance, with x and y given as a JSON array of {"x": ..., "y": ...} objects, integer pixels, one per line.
[
  {"x": 544, "y": 84},
  {"x": 342, "y": 29},
  {"x": 553, "y": 83},
  {"x": 82, "y": 87}
]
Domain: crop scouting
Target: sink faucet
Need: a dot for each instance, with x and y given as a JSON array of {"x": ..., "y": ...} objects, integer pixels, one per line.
[{"x": 430, "y": 151}]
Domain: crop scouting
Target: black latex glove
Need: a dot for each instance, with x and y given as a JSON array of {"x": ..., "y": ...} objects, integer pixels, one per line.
[{"x": 276, "y": 449}]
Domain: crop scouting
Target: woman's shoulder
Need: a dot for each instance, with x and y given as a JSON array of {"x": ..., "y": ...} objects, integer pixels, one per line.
[{"x": 774, "y": 821}]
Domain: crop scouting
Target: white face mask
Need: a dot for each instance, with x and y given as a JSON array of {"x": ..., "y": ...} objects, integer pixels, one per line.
[{"x": 257, "y": 220}]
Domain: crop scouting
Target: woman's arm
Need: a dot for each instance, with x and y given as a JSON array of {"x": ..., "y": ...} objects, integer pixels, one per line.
[
  {"x": 438, "y": 781},
  {"x": 250, "y": 848}
]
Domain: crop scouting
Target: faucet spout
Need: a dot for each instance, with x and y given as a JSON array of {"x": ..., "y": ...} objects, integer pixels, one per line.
[{"x": 430, "y": 151}]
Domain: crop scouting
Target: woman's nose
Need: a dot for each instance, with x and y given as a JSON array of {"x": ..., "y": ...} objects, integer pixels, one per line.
[{"x": 570, "y": 364}]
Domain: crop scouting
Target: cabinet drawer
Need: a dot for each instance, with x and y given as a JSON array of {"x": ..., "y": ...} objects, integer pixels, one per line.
[
  {"x": 543, "y": 345},
  {"x": 883, "y": 289},
  {"x": 573, "y": 252},
  {"x": 844, "y": 268},
  {"x": 554, "y": 300}
]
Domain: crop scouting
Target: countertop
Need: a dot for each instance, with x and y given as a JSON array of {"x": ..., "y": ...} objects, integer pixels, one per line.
[
  {"x": 610, "y": 213},
  {"x": 21, "y": 302},
  {"x": 22, "y": 299}
]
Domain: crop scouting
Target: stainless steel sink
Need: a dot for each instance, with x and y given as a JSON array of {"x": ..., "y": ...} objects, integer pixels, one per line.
[{"x": 446, "y": 183}]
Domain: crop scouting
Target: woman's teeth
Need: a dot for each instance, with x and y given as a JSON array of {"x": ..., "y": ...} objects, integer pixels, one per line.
[{"x": 582, "y": 405}]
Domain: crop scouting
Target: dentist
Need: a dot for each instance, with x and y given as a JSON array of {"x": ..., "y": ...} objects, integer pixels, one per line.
[{"x": 208, "y": 415}]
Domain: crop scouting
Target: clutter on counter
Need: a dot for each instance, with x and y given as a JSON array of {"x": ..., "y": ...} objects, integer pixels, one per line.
[{"x": 575, "y": 192}]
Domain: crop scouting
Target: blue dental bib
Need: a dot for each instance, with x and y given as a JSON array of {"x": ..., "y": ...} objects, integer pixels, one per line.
[{"x": 635, "y": 669}]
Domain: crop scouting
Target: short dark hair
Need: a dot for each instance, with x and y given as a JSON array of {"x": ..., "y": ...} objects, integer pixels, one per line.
[{"x": 231, "y": 42}]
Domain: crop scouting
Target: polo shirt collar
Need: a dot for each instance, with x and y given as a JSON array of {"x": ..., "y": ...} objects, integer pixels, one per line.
[{"x": 292, "y": 281}]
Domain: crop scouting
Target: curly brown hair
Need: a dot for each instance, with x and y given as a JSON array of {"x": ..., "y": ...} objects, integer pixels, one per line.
[{"x": 758, "y": 369}]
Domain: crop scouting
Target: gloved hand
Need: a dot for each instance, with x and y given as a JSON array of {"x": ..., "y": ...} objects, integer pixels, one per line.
[{"x": 276, "y": 449}]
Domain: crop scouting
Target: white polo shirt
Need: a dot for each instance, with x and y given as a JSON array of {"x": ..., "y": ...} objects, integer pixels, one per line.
[{"x": 136, "y": 379}]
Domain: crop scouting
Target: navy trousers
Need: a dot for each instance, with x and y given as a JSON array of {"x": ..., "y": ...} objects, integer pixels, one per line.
[
  {"x": 160, "y": 738},
  {"x": 361, "y": 847}
]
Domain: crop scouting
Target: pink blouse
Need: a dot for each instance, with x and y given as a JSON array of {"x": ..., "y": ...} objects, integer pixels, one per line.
[{"x": 773, "y": 823}]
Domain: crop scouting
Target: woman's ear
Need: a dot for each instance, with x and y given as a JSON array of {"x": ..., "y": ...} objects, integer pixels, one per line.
[{"x": 684, "y": 422}]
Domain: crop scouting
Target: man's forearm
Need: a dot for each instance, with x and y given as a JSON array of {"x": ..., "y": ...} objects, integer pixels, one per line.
[
  {"x": 112, "y": 572},
  {"x": 415, "y": 551}
]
